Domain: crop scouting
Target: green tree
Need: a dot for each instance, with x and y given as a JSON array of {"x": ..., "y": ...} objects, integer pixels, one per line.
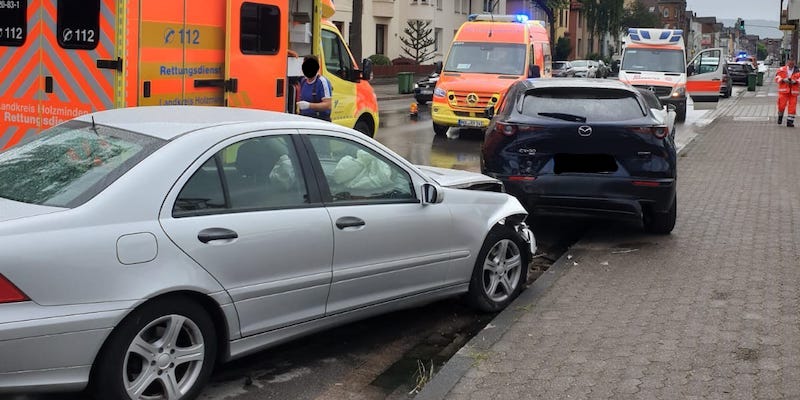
[
  {"x": 562, "y": 49},
  {"x": 551, "y": 7},
  {"x": 761, "y": 51},
  {"x": 603, "y": 16},
  {"x": 417, "y": 40},
  {"x": 638, "y": 16}
]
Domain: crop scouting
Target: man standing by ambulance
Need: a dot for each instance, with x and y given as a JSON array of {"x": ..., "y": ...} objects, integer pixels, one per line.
[{"x": 788, "y": 79}]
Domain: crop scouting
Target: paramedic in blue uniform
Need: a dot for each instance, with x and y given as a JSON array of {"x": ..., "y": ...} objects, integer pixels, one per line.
[{"x": 315, "y": 91}]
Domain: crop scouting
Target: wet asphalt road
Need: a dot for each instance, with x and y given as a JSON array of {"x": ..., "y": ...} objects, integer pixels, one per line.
[{"x": 383, "y": 357}]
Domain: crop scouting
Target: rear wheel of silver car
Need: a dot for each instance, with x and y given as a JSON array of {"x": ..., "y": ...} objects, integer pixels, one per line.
[
  {"x": 500, "y": 270},
  {"x": 165, "y": 350},
  {"x": 440, "y": 129}
]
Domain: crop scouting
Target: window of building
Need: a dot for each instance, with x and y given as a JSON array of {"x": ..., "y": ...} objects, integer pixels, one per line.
[
  {"x": 260, "y": 29},
  {"x": 438, "y": 4},
  {"x": 487, "y": 5},
  {"x": 666, "y": 12},
  {"x": 78, "y": 24},
  {"x": 340, "y": 26},
  {"x": 437, "y": 39},
  {"x": 380, "y": 39},
  {"x": 580, "y": 19},
  {"x": 13, "y": 24},
  {"x": 465, "y": 7}
]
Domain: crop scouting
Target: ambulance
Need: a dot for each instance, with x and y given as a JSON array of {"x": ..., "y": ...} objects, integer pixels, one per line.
[
  {"x": 63, "y": 58},
  {"x": 488, "y": 53},
  {"x": 655, "y": 59}
]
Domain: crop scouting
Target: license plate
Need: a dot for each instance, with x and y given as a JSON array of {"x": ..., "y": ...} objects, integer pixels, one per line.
[
  {"x": 426, "y": 92},
  {"x": 470, "y": 123}
]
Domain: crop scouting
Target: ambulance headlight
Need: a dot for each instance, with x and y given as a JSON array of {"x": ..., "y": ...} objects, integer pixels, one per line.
[
  {"x": 439, "y": 92},
  {"x": 679, "y": 91}
]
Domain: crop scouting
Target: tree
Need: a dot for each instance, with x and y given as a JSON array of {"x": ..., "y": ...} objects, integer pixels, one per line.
[
  {"x": 603, "y": 16},
  {"x": 761, "y": 51},
  {"x": 638, "y": 16},
  {"x": 417, "y": 40},
  {"x": 563, "y": 48},
  {"x": 550, "y": 7},
  {"x": 355, "y": 29}
]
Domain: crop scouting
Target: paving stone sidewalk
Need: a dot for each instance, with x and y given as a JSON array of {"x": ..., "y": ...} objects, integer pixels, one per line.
[{"x": 709, "y": 312}]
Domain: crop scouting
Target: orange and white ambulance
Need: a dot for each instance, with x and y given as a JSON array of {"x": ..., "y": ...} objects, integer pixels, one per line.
[
  {"x": 63, "y": 58},
  {"x": 488, "y": 54},
  {"x": 655, "y": 59}
]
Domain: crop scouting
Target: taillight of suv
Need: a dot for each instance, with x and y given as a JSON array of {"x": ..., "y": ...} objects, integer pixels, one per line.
[{"x": 10, "y": 293}]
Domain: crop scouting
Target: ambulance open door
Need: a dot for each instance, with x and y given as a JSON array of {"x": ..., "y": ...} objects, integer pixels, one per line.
[
  {"x": 256, "y": 54},
  {"x": 704, "y": 77}
]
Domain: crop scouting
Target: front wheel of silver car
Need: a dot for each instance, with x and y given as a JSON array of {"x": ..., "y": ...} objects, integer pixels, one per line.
[
  {"x": 500, "y": 270},
  {"x": 165, "y": 351}
]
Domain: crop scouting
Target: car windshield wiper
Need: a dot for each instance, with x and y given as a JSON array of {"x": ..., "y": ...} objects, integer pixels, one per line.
[{"x": 565, "y": 117}]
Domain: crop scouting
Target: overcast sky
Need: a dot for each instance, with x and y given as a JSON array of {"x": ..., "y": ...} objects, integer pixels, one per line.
[{"x": 746, "y": 9}]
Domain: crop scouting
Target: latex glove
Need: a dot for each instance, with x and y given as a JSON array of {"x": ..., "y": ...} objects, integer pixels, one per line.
[{"x": 303, "y": 105}]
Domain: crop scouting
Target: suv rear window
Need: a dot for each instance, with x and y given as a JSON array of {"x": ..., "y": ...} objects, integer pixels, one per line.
[
  {"x": 584, "y": 104},
  {"x": 68, "y": 164}
]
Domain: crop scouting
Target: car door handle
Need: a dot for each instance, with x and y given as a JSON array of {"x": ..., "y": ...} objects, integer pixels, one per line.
[
  {"x": 349, "y": 222},
  {"x": 209, "y": 234}
]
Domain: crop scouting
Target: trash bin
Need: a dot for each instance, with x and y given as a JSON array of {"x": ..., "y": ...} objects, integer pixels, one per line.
[
  {"x": 760, "y": 78},
  {"x": 405, "y": 82},
  {"x": 751, "y": 82}
]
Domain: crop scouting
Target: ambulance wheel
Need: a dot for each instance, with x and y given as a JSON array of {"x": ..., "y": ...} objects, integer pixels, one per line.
[
  {"x": 440, "y": 129},
  {"x": 363, "y": 127},
  {"x": 680, "y": 113}
]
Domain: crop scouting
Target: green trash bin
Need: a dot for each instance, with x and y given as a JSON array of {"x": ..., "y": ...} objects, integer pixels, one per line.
[
  {"x": 751, "y": 82},
  {"x": 405, "y": 82},
  {"x": 760, "y": 78}
]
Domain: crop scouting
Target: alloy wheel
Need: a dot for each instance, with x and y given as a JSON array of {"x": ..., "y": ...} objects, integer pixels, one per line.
[{"x": 501, "y": 270}]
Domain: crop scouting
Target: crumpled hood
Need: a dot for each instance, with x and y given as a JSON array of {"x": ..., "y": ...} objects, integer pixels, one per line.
[
  {"x": 455, "y": 178},
  {"x": 10, "y": 209},
  {"x": 467, "y": 83}
]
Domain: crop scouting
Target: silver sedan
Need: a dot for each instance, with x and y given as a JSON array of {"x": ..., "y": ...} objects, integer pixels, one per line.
[{"x": 142, "y": 246}]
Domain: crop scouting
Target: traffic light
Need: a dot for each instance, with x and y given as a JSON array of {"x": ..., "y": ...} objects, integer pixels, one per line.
[{"x": 741, "y": 25}]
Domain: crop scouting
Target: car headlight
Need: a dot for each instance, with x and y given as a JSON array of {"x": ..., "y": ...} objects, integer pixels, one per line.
[
  {"x": 439, "y": 92},
  {"x": 416, "y": 86},
  {"x": 679, "y": 91}
]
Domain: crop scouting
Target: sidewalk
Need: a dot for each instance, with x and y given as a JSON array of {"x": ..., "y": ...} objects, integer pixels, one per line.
[{"x": 710, "y": 311}]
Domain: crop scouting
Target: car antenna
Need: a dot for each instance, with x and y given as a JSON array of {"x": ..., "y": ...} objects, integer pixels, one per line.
[
  {"x": 94, "y": 127},
  {"x": 491, "y": 16}
]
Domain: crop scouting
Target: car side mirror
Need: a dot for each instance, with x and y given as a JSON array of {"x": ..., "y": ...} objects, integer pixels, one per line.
[
  {"x": 431, "y": 194},
  {"x": 534, "y": 71},
  {"x": 490, "y": 111},
  {"x": 671, "y": 107},
  {"x": 437, "y": 67},
  {"x": 366, "y": 69}
]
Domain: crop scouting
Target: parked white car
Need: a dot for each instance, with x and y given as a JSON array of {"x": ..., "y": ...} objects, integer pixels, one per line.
[{"x": 141, "y": 246}]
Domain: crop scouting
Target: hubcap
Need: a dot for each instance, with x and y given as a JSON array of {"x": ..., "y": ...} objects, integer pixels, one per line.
[
  {"x": 164, "y": 360},
  {"x": 501, "y": 270}
]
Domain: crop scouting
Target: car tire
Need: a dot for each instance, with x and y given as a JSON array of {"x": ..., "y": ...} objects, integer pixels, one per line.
[
  {"x": 661, "y": 223},
  {"x": 490, "y": 290},
  {"x": 143, "y": 354},
  {"x": 363, "y": 127},
  {"x": 680, "y": 113},
  {"x": 440, "y": 129}
]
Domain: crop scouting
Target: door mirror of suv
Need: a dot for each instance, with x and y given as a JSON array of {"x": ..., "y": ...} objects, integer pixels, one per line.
[
  {"x": 671, "y": 107},
  {"x": 431, "y": 194},
  {"x": 534, "y": 71},
  {"x": 437, "y": 67}
]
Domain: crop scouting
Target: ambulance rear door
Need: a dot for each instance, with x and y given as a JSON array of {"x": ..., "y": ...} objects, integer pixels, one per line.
[
  {"x": 256, "y": 54},
  {"x": 704, "y": 78},
  {"x": 21, "y": 80},
  {"x": 61, "y": 61}
]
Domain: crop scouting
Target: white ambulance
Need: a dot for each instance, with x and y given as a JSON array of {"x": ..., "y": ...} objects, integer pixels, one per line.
[{"x": 655, "y": 59}]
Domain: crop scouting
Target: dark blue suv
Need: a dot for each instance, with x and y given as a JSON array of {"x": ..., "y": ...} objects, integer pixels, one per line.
[{"x": 581, "y": 147}]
